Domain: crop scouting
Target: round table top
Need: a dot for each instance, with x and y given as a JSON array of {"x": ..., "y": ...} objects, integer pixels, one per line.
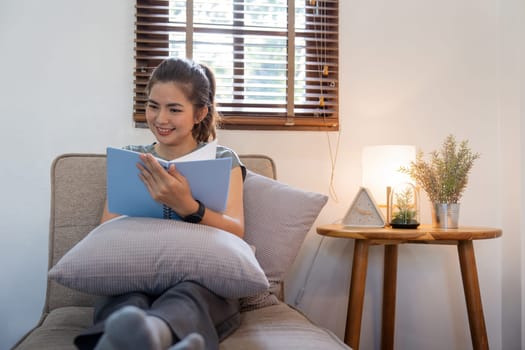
[{"x": 425, "y": 233}]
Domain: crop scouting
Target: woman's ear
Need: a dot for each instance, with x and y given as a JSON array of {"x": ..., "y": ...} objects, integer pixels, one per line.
[{"x": 201, "y": 114}]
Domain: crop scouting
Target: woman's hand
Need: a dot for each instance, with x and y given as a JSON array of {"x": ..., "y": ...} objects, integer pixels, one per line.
[{"x": 170, "y": 187}]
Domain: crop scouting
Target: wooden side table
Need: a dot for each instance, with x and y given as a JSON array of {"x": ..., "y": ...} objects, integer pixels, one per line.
[{"x": 364, "y": 237}]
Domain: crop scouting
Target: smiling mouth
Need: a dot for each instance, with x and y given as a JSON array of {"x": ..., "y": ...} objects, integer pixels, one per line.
[{"x": 164, "y": 131}]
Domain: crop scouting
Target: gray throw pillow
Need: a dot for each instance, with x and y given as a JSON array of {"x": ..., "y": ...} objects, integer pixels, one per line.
[
  {"x": 277, "y": 219},
  {"x": 149, "y": 255}
]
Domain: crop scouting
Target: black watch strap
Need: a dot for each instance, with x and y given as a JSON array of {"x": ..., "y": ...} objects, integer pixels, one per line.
[{"x": 197, "y": 216}]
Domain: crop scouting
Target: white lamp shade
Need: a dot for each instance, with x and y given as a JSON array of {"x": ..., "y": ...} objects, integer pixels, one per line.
[{"x": 380, "y": 168}]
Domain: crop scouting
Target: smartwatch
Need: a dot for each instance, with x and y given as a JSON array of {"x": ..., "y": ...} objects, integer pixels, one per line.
[{"x": 197, "y": 216}]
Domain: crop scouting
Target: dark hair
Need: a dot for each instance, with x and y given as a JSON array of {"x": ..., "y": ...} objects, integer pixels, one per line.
[{"x": 197, "y": 82}]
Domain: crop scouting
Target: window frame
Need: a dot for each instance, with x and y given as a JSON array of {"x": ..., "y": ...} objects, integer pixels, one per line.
[{"x": 152, "y": 46}]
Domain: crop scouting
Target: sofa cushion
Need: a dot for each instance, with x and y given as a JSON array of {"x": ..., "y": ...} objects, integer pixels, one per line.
[
  {"x": 149, "y": 255},
  {"x": 275, "y": 327},
  {"x": 58, "y": 329},
  {"x": 277, "y": 218},
  {"x": 280, "y": 327}
]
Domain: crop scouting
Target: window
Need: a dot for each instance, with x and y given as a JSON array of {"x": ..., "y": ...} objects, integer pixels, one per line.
[{"x": 276, "y": 61}]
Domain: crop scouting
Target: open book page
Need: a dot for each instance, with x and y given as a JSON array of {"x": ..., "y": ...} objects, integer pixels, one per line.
[{"x": 209, "y": 151}]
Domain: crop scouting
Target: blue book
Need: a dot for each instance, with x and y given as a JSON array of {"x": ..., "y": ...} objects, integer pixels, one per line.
[{"x": 127, "y": 195}]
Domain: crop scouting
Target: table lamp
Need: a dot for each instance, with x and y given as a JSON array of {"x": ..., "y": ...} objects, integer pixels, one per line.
[{"x": 380, "y": 170}]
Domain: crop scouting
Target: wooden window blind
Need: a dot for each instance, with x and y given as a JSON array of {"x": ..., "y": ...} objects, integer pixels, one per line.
[{"x": 276, "y": 62}]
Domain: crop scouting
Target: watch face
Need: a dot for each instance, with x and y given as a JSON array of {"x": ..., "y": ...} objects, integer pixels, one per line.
[
  {"x": 364, "y": 212},
  {"x": 193, "y": 218},
  {"x": 197, "y": 216}
]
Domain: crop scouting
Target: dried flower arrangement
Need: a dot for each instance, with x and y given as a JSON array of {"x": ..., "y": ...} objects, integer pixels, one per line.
[{"x": 445, "y": 177}]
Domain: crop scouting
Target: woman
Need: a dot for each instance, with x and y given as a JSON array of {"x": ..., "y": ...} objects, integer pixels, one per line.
[{"x": 181, "y": 113}]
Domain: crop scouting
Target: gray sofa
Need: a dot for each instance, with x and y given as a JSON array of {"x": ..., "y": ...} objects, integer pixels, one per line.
[{"x": 77, "y": 198}]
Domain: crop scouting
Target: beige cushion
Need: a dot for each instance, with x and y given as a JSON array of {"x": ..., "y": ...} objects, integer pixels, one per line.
[
  {"x": 129, "y": 254},
  {"x": 280, "y": 327},
  {"x": 277, "y": 218},
  {"x": 58, "y": 329}
]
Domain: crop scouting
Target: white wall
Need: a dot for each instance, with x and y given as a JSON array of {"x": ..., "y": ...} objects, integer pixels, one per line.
[
  {"x": 520, "y": 9},
  {"x": 511, "y": 196},
  {"x": 411, "y": 73}
]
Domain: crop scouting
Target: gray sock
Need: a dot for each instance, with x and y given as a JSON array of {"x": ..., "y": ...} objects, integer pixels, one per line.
[
  {"x": 129, "y": 329},
  {"x": 193, "y": 341}
]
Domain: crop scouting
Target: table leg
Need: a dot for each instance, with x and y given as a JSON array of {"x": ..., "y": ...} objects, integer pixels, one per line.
[
  {"x": 357, "y": 294},
  {"x": 389, "y": 297},
  {"x": 469, "y": 274}
]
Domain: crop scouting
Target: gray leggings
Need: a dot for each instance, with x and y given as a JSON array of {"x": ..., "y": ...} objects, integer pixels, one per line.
[{"x": 186, "y": 307}]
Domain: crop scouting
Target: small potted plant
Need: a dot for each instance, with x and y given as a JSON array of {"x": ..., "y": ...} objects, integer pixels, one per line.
[
  {"x": 404, "y": 206},
  {"x": 444, "y": 178}
]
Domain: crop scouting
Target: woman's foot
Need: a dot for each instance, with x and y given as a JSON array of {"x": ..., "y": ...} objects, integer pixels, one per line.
[
  {"x": 193, "y": 341},
  {"x": 131, "y": 329}
]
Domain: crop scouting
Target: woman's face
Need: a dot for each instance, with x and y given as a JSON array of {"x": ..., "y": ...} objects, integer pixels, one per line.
[{"x": 171, "y": 116}]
